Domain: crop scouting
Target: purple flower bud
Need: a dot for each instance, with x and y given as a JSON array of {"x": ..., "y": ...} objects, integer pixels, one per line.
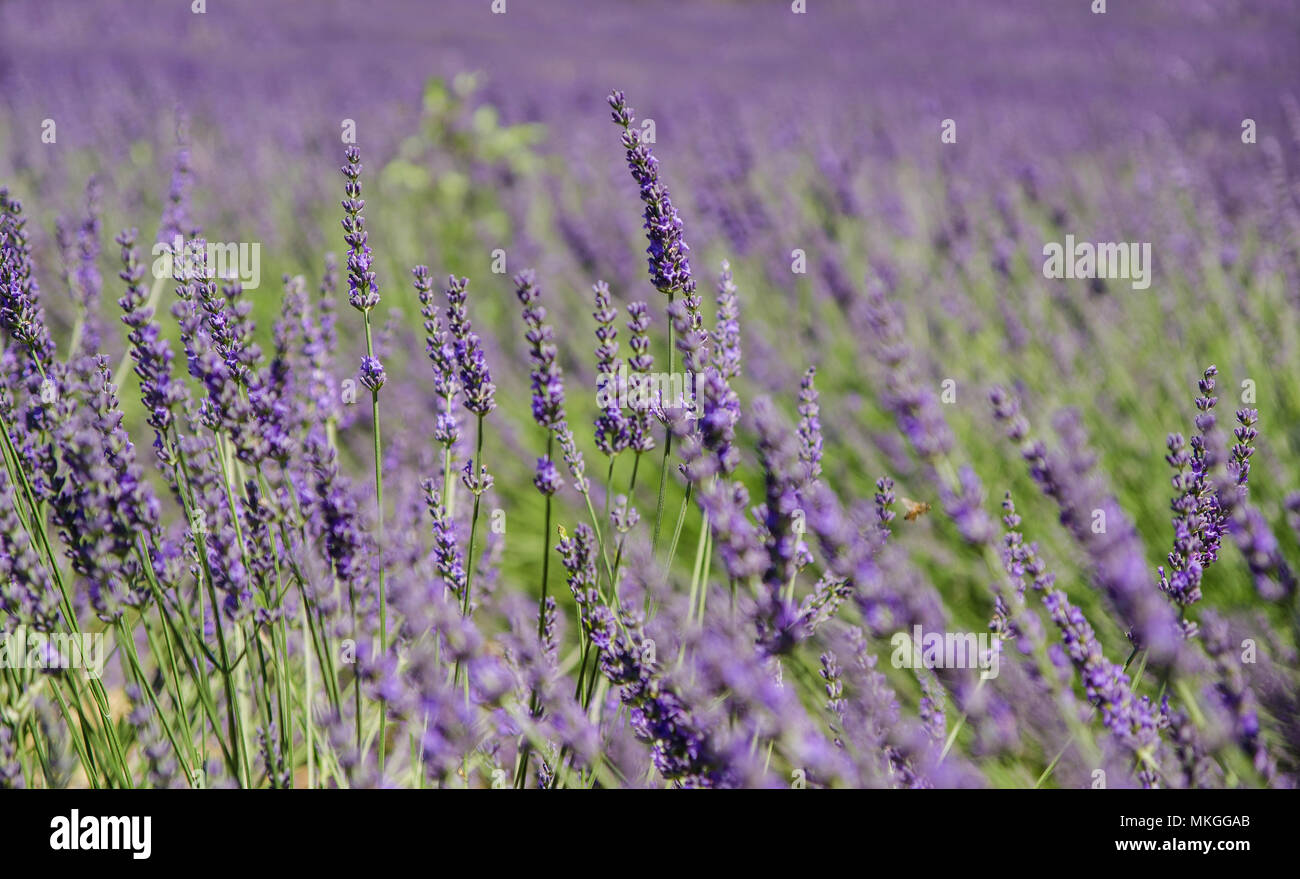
[
  {"x": 884, "y": 501},
  {"x": 477, "y": 484},
  {"x": 372, "y": 374},
  {"x": 547, "y": 477},
  {"x": 623, "y": 516}
]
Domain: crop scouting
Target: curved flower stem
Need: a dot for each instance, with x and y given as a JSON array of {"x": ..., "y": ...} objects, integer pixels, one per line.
[
  {"x": 961, "y": 722},
  {"x": 600, "y": 545}
]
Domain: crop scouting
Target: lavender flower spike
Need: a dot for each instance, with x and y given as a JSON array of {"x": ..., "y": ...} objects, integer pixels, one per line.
[
  {"x": 810, "y": 426},
  {"x": 1116, "y": 555},
  {"x": 612, "y": 434},
  {"x": 477, "y": 389},
  {"x": 669, "y": 257},
  {"x": 639, "y": 363},
  {"x": 363, "y": 288},
  {"x": 547, "y": 380}
]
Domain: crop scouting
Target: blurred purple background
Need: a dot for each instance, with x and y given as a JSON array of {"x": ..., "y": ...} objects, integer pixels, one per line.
[{"x": 288, "y": 71}]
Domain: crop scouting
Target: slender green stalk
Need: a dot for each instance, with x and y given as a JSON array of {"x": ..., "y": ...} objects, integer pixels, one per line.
[
  {"x": 308, "y": 698},
  {"x": 448, "y": 484},
  {"x": 708, "y": 559},
  {"x": 356, "y": 677},
  {"x": 234, "y": 720},
  {"x": 178, "y": 697},
  {"x": 525, "y": 751},
  {"x": 668, "y": 447},
  {"x": 379, "y": 526},
  {"x": 677, "y": 533},
  {"x": 128, "y": 647},
  {"x": 609, "y": 483},
  {"x": 473, "y": 533},
  {"x": 700, "y": 571}
]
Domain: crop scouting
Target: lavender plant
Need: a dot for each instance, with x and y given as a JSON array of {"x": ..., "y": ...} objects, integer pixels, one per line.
[{"x": 281, "y": 594}]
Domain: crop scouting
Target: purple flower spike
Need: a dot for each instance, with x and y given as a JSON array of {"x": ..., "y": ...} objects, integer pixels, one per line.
[
  {"x": 639, "y": 363},
  {"x": 726, "y": 337},
  {"x": 1107, "y": 687},
  {"x": 681, "y": 747},
  {"x": 884, "y": 501},
  {"x": 612, "y": 429},
  {"x": 547, "y": 477},
  {"x": 810, "y": 426},
  {"x": 669, "y": 257},
  {"x": 446, "y": 551},
  {"x": 477, "y": 390},
  {"x": 547, "y": 380},
  {"x": 1097, "y": 523},
  {"x": 150, "y": 351},
  {"x": 363, "y": 288},
  {"x": 442, "y": 354}
]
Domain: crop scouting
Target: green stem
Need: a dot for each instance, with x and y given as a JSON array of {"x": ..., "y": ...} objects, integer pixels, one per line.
[
  {"x": 525, "y": 751},
  {"x": 128, "y": 643},
  {"x": 668, "y": 446},
  {"x": 473, "y": 533},
  {"x": 677, "y": 532},
  {"x": 379, "y": 519},
  {"x": 708, "y": 560},
  {"x": 307, "y": 699},
  {"x": 37, "y": 521}
]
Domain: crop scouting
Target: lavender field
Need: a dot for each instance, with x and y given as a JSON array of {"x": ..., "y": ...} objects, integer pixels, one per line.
[{"x": 890, "y": 394}]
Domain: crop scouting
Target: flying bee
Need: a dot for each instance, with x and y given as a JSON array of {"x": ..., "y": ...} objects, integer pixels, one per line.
[{"x": 915, "y": 509}]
